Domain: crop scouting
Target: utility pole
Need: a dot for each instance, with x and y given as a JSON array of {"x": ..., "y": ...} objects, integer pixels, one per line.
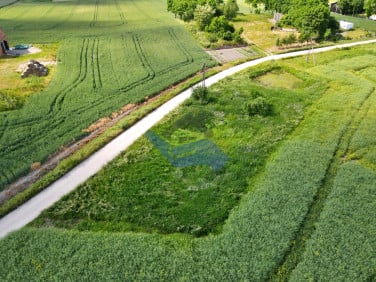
[{"x": 203, "y": 74}]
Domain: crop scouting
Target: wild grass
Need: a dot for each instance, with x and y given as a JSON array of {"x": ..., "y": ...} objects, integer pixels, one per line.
[
  {"x": 257, "y": 30},
  {"x": 279, "y": 80},
  {"x": 194, "y": 199}
]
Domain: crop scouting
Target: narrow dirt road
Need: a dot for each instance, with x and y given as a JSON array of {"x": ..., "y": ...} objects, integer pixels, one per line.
[{"x": 31, "y": 209}]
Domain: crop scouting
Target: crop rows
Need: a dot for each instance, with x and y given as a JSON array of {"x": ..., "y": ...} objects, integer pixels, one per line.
[
  {"x": 96, "y": 75},
  {"x": 105, "y": 13}
]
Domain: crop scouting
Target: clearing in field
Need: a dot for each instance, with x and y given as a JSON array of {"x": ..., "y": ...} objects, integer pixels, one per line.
[{"x": 279, "y": 79}]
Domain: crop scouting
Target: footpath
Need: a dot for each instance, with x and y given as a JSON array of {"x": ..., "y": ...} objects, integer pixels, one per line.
[{"x": 82, "y": 172}]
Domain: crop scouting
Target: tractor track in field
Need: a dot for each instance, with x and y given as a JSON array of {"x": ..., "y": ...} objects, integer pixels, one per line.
[
  {"x": 57, "y": 103},
  {"x": 307, "y": 227},
  {"x": 94, "y": 22}
]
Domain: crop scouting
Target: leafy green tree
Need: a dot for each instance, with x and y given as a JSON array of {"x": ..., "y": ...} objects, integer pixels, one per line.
[
  {"x": 351, "y": 6},
  {"x": 280, "y": 6},
  {"x": 252, "y": 3},
  {"x": 370, "y": 7},
  {"x": 184, "y": 9},
  {"x": 310, "y": 17},
  {"x": 203, "y": 15},
  {"x": 230, "y": 9},
  {"x": 221, "y": 26}
]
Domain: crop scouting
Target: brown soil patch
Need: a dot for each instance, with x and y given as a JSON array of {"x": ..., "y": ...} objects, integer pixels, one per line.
[{"x": 23, "y": 66}]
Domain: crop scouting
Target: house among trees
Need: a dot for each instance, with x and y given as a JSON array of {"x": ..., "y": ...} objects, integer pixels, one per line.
[
  {"x": 334, "y": 7},
  {"x": 4, "y": 47}
]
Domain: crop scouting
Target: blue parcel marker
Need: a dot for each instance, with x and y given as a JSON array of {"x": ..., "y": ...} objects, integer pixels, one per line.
[{"x": 196, "y": 153}]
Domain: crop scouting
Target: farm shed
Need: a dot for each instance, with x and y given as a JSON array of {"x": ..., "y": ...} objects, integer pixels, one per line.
[
  {"x": 334, "y": 7},
  {"x": 346, "y": 25},
  {"x": 3, "y": 43}
]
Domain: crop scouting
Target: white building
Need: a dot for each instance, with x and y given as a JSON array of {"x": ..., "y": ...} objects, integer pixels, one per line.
[{"x": 346, "y": 25}]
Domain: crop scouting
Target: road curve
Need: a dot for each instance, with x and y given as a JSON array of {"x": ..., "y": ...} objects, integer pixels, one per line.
[{"x": 32, "y": 208}]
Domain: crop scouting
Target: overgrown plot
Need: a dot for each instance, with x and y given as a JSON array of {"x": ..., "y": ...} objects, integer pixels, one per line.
[{"x": 190, "y": 171}]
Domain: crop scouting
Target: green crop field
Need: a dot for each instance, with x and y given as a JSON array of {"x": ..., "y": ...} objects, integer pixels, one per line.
[
  {"x": 288, "y": 195},
  {"x": 111, "y": 53}
]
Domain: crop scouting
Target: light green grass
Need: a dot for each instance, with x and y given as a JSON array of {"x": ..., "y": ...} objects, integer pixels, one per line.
[
  {"x": 362, "y": 23},
  {"x": 257, "y": 30},
  {"x": 343, "y": 245},
  {"x": 279, "y": 80}
]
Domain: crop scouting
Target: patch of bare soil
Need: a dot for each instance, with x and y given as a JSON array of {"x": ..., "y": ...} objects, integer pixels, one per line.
[
  {"x": 23, "y": 66},
  {"x": 225, "y": 55}
]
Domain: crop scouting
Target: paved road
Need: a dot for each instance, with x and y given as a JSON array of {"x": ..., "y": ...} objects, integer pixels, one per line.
[{"x": 32, "y": 208}]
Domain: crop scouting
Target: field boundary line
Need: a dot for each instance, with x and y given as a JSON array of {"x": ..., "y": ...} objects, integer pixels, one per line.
[{"x": 32, "y": 208}]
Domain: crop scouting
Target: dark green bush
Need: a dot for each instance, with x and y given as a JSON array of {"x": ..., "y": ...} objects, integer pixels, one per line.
[
  {"x": 259, "y": 106},
  {"x": 201, "y": 93}
]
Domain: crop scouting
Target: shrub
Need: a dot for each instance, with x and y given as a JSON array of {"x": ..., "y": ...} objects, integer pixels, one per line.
[
  {"x": 259, "y": 106},
  {"x": 200, "y": 93}
]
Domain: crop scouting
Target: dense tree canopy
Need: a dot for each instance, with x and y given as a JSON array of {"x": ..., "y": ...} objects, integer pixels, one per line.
[
  {"x": 281, "y": 6},
  {"x": 351, "y": 7},
  {"x": 211, "y": 16},
  {"x": 370, "y": 7},
  {"x": 203, "y": 15},
  {"x": 185, "y": 9},
  {"x": 230, "y": 9},
  {"x": 310, "y": 17}
]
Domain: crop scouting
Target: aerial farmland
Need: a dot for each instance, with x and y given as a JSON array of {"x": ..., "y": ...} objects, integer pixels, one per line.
[{"x": 268, "y": 174}]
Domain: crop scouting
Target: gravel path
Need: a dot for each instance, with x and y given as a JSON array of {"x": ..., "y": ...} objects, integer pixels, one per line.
[{"x": 32, "y": 208}]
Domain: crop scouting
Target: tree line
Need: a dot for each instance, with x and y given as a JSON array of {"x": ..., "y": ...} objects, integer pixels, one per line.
[
  {"x": 212, "y": 16},
  {"x": 310, "y": 17},
  {"x": 352, "y": 7},
  {"x": 347, "y": 7}
]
